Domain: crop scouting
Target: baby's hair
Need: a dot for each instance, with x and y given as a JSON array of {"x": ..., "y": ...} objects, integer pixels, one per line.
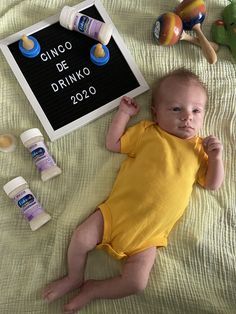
[{"x": 184, "y": 75}]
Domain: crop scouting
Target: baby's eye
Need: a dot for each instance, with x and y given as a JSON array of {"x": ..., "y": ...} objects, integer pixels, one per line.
[
  {"x": 176, "y": 108},
  {"x": 196, "y": 111}
]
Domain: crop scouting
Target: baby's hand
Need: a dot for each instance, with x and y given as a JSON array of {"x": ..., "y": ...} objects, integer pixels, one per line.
[
  {"x": 212, "y": 147},
  {"x": 129, "y": 106}
]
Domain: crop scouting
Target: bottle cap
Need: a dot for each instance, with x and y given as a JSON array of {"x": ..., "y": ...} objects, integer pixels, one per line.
[
  {"x": 102, "y": 60},
  {"x": 30, "y": 53},
  {"x": 65, "y": 17},
  {"x": 13, "y": 184},
  {"x": 27, "y": 135}
]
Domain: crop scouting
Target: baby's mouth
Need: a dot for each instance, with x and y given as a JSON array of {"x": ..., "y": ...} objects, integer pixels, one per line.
[{"x": 186, "y": 127}]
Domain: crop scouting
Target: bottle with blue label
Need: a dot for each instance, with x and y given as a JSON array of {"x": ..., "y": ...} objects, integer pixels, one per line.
[
  {"x": 34, "y": 141},
  {"x": 72, "y": 19},
  {"x": 18, "y": 190}
]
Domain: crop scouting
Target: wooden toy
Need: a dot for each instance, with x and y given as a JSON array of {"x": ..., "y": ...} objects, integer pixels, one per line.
[
  {"x": 192, "y": 13},
  {"x": 168, "y": 30},
  {"x": 29, "y": 46},
  {"x": 224, "y": 31},
  {"x": 195, "y": 40}
]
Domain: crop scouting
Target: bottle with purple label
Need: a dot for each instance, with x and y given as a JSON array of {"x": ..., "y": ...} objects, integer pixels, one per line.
[
  {"x": 72, "y": 19},
  {"x": 34, "y": 141},
  {"x": 18, "y": 190}
]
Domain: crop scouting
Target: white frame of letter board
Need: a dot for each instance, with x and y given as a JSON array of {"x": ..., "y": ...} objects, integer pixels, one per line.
[{"x": 55, "y": 134}]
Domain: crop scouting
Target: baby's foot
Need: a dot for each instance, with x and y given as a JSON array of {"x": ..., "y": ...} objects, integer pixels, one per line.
[
  {"x": 58, "y": 288},
  {"x": 84, "y": 297}
]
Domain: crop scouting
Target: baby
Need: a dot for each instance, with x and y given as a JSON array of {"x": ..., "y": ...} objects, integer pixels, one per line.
[{"x": 165, "y": 157}]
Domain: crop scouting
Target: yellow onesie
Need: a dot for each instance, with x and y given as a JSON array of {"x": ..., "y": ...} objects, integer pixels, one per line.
[{"x": 152, "y": 188}]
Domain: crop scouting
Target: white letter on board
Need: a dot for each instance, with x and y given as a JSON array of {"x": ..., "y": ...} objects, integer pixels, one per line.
[
  {"x": 68, "y": 45},
  {"x": 79, "y": 75},
  {"x": 86, "y": 71},
  {"x": 62, "y": 66},
  {"x": 43, "y": 57},
  {"x": 54, "y": 87}
]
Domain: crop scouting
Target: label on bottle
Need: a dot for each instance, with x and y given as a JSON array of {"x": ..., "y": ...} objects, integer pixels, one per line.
[
  {"x": 87, "y": 26},
  {"x": 28, "y": 204},
  {"x": 41, "y": 156}
]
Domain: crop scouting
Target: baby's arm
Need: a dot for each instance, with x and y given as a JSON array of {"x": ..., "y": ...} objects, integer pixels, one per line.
[
  {"x": 127, "y": 108},
  {"x": 215, "y": 170}
]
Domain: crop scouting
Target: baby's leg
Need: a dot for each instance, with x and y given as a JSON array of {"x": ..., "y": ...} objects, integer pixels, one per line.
[
  {"x": 133, "y": 279},
  {"x": 84, "y": 239}
]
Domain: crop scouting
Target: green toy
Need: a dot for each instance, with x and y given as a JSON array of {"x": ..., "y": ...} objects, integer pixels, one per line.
[{"x": 224, "y": 31}]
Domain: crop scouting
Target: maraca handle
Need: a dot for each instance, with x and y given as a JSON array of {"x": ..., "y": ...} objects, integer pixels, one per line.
[
  {"x": 207, "y": 49},
  {"x": 195, "y": 40}
]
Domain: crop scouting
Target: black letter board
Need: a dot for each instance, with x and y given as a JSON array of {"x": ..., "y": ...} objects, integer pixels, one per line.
[{"x": 63, "y": 86}]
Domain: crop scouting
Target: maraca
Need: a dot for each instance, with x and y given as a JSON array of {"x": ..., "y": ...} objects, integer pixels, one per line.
[
  {"x": 192, "y": 13},
  {"x": 168, "y": 30}
]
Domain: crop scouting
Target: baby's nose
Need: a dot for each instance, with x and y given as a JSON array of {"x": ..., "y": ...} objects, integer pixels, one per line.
[{"x": 186, "y": 116}]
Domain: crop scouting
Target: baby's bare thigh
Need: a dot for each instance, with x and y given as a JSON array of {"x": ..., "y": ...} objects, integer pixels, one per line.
[
  {"x": 92, "y": 228},
  {"x": 140, "y": 264}
]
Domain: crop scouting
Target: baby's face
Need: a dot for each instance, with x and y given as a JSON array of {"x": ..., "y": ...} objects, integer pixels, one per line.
[{"x": 179, "y": 109}]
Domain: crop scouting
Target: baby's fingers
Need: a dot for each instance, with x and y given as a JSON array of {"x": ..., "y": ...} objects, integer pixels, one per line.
[
  {"x": 133, "y": 102},
  {"x": 126, "y": 99},
  {"x": 214, "y": 146},
  {"x": 210, "y": 140}
]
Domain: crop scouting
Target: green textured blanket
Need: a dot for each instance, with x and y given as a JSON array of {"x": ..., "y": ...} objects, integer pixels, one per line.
[{"x": 196, "y": 273}]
